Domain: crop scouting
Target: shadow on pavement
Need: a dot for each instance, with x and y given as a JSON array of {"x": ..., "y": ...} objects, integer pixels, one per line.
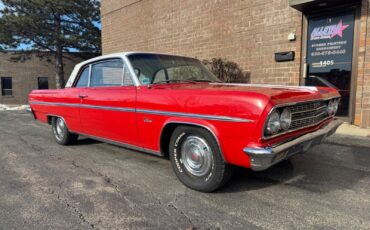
[
  {"x": 245, "y": 179},
  {"x": 321, "y": 170}
]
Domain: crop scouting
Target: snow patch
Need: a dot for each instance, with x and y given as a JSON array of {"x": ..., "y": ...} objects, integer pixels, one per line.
[{"x": 13, "y": 107}]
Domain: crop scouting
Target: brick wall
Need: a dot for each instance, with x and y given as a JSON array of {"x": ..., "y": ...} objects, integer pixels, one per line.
[
  {"x": 244, "y": 31},
  {"x": 25, "y": 73},
  {"x": 362, "y": 111},
  {"x": 247, "y": 32}
]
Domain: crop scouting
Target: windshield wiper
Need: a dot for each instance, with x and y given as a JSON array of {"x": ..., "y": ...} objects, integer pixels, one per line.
[
  {"x": 172, "y": 80},
  {"x": 203, "y": 80}
]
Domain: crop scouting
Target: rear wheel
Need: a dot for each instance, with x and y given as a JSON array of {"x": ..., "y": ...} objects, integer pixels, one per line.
[
  {"x": 197, "y": 160},
  {"x": 61, "y": 133}
]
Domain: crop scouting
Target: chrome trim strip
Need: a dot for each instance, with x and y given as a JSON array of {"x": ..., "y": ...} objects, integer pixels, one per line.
[
  {"x": 258, "y": 151},
  {"x": 53, "y": 103},
  {"x": 84, "y": 106},
  {"x": 309, "y": 110},
  {"x": 308, "y": 101},
  {"x": 88, "y": 79},
  {"x": 122, "y": 109},
  {"x": 192, "y": 115},
  {"x": 146, "y": 111},
  {"x": 317, "y": 115}
]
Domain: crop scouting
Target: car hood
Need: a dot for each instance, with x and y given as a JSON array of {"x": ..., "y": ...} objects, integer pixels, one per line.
[{"x": 276, "y": 93}]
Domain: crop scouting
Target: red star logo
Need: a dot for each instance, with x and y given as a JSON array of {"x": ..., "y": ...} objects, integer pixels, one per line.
[{"x": 339, "y": 31}]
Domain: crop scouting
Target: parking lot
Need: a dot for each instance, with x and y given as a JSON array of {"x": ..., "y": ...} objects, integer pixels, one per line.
[{"x": 97, "y": 185}]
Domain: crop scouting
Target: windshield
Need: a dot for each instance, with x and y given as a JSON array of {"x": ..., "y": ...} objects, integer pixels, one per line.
[{"x": 158, "y": 69}]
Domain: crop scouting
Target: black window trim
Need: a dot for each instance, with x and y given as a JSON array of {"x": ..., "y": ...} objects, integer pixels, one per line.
[{"x": 101, "y": 61}]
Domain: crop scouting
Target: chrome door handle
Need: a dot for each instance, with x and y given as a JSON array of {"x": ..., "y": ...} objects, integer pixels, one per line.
[{"x": 82, "y": 96}]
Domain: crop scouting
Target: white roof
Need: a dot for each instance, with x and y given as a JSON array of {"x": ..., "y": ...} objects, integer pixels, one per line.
[{"x": 122, "y": 55}]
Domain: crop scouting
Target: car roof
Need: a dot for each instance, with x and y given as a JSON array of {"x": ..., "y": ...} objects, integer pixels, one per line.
[{"x": 122, "y": 55}]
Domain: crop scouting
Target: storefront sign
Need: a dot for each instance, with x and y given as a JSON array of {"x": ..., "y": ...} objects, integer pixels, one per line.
[{"x": 330, "y": 42}]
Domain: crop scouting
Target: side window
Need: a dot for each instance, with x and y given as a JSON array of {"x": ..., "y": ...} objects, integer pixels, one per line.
[
  {"x": 83, "y": 80},
  {"x": 107, "y": 73}
]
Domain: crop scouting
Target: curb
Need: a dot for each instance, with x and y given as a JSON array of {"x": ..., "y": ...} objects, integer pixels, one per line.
[{"x": 348, "y": 140}]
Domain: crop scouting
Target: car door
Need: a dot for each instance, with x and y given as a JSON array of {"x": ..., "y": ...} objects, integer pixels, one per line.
[
  {"x": 107, "y": 108},
  {"x": 71, "y": 97}
]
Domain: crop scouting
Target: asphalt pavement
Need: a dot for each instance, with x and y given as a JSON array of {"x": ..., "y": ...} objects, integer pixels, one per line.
[{"x": 95, "y": 185}]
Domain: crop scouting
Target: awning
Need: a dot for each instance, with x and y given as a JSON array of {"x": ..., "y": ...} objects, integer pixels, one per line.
[{"x": 308, "y": 5}]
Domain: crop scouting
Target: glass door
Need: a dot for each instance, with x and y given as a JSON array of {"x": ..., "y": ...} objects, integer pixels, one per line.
[{"x": 329, "y": 54}]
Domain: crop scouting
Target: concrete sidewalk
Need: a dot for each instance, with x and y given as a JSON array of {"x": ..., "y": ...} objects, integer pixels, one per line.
[{"x": 350, "y": 135}]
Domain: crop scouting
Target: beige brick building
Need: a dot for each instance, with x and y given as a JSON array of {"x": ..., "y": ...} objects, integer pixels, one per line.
[
  {"x": 250, "y": 33},
  {"x": 18, "y": 78}
]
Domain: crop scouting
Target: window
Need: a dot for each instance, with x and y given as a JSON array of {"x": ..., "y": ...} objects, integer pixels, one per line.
[
  {"x": 6, "y": 86},
  {"x": 185, "y": 72},
  {"x": 107, "y": 73},
  {"x": 154, "y": 68},
  {"x": 159, "y": 76},
  {"x": 177, "y": 73},
  {"x": 83, "y": 80},
  {"x": 42, "y": 83}
]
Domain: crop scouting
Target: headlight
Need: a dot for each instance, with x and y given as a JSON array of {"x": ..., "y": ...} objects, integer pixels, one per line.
[
  {"x": 333, "y": 106},
  {"x": 273, "y": 123},
  {"x": 285, "y": 119},
  {"x": 336, "y": 104}
]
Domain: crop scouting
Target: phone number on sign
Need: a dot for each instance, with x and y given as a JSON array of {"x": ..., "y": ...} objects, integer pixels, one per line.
[{"x": 329, "y": 52}]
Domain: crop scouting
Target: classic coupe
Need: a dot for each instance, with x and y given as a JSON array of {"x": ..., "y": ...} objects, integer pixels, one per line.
[{"x": 173, "y": 106}]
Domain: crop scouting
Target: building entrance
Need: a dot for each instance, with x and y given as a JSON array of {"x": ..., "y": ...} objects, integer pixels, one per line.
[{"x": 329, "y": 54}]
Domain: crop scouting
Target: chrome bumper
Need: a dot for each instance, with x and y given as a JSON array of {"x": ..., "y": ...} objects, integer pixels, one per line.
[
  {"x": 263, "y": 158},
  {"x": 29, "y": 110}
]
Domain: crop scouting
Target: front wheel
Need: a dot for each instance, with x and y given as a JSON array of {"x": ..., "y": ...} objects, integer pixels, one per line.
[
  {"x": 61, "y": 133},
  {"x": 197, "y": 160}
]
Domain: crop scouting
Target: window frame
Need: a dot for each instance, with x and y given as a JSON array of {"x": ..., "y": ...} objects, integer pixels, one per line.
[
  {"x": 90, "y": 64},
  {"x": 3, "y": 89},
  {"x": 79, "y": 74}
]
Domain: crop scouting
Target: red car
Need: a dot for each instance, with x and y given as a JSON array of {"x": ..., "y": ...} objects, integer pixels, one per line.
[{"x": 173, "y": 106}]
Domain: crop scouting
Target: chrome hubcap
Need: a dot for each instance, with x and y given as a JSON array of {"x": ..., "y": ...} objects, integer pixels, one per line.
[
  {"x": 196, "y": 155},
  {"x": 59, "y": 129}
]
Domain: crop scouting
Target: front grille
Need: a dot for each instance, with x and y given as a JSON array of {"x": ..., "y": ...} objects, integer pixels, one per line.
[
  {"x": 309, "y": 113},
  {"x": 305, "y": 114}
]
